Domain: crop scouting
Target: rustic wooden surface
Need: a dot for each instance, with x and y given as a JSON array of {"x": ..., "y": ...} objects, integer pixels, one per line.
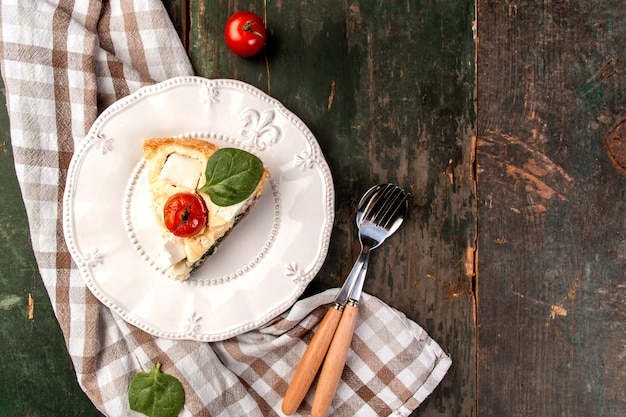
[
  {"x": 552, "y": 208},
  {"x": 390, "y": 92}
]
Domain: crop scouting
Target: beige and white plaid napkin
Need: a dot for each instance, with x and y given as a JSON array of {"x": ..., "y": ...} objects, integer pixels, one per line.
[{"x": 63, "y": 62}]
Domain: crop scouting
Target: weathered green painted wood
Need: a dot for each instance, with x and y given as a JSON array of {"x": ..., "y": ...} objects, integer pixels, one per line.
[
  {"x": 36, "y": 374},
  {"x": 388, "y": 91},
  {"x": 552, "y": 204}
]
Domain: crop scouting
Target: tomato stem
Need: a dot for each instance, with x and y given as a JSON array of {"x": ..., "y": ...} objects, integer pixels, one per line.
[
  {"x": 247, "y": 27},
  {"x": 184, "y": 217}
]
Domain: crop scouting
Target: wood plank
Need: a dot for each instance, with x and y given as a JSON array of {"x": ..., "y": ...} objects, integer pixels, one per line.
[
  {"x": 178, "y": 11},
  {"x": 552, "y": 274},
  {"x": 388, "y": 91}
]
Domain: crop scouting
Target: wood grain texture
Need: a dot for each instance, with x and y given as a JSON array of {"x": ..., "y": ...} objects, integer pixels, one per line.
[
  {"x": 552, "y": 274},
  {"x": 334, "y": 363},
  {"x": 311, "y": 361}
]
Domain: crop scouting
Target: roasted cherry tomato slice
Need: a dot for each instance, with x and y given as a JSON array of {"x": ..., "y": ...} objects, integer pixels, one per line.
[
  {"x": 245, "y": 33},
  {"x": 185, "y": 214}
]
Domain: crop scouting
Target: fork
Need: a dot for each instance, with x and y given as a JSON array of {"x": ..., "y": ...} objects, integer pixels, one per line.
[
  {"x": 381, "y": 207},
  {"x": 317, "y": 348},
  {"x": 385, "y": 217}
]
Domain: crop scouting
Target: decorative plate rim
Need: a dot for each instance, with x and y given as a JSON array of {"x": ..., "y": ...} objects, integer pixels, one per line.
[{"x": 208, "y": 90}]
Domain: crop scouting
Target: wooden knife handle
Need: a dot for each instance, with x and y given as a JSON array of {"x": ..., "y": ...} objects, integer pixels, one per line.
[
  {"x": 335, "y": 362},
  {"x": 311, "y": 361}
]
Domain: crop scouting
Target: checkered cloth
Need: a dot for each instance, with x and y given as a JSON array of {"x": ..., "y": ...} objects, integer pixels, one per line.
[{"x": 63, "y": 62}]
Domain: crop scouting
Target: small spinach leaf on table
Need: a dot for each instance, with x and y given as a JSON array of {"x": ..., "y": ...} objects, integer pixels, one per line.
[{"x": 156, "y": 394}]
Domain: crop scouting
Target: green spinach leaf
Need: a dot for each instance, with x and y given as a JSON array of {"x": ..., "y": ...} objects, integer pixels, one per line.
[
  {"x": 231, "y": 176},
  {"x": 156, "y": 394}
]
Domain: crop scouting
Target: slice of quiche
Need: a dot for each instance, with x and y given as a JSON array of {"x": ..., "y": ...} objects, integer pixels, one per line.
[{"x": 199, "y": 192}]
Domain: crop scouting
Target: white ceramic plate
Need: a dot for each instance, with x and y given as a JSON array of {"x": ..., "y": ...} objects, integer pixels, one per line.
[{"x": 265, "y": 263}]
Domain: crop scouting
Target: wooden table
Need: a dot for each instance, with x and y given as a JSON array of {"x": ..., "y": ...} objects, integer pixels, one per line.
[{"x": 503, "y": 118}]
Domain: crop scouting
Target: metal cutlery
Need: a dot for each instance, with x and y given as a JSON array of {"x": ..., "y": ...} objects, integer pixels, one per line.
[{"x": 380, "y": 213}]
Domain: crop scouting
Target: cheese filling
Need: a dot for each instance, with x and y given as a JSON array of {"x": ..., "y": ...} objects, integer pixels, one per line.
[
  {"x": 182, "y": 171},
  {"x": 170, "y": 253}
]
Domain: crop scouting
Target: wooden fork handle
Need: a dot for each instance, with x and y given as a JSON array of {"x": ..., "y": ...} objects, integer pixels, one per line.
[
  {"x": 311, "y": 361},
  {"x": 335, "y": 362}
]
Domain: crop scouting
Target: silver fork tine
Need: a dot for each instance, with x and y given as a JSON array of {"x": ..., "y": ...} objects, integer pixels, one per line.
[
  {"x": 392, "y": 202},
  {"x": 378, "y": 201},
  {"x": 374, "y": 200},
  {"x": 382, "y": 214},
  {"x": 395, "y": 205}
]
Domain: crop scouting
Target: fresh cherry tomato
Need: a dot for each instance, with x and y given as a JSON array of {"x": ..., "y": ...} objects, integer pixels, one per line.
[
  {"x": 185, "y": 214},
  {"x": 245, "y": 33}
]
